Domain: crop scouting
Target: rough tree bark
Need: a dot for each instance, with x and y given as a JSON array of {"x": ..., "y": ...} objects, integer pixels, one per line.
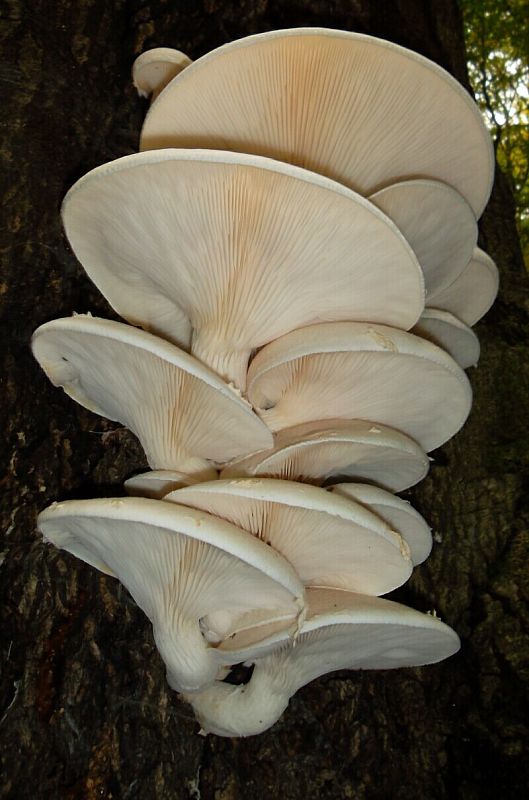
[{"x": 85, "y": 710}]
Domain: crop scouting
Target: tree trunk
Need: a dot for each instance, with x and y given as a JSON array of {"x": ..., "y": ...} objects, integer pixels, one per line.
[{"x": 85, "y": 708}]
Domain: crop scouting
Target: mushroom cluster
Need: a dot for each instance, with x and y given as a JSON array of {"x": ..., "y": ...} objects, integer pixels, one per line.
[{"x": 303, "y": 199}]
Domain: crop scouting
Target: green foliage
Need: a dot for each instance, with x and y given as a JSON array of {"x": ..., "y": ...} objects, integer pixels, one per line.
[{"x": 497, "y": 41}]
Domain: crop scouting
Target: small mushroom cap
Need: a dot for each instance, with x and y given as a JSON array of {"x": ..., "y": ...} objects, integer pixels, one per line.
[
  {"x": 471, "y": 295},
  {"x": 247, "y": 248},
  {"x": 152, "y": 70},
  {"x": 182, "y": 567},
  {"x": 329, "y": 540},
  {"x": 157, "y": 483},
  {"x": 358, "y": 370},
  {"x": 448, "y": 332},
  {"x": 342, "y": 631},
  {"x": 398, "y": 513},
  {"x": 181, "y": 412},
  {"x": 318, "y": 451},
  {"x": 361, "y": 110},
  {"x": 437, "y": 222}
]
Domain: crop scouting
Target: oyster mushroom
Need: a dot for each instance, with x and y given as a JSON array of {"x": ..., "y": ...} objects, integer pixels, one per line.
[
  {"x": 185, "y": 417},
  {"x": 244, "y": 248},
  {"x": 342, "y": 631},
  {"x": 185, "y": 569},
  {"x": 361, "y": 110}
]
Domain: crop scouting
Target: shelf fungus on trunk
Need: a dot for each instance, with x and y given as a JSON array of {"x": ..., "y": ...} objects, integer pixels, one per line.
[
  {"x": 316, "y": 452},
  {"x": 398, "y": 513},
  {"x": 437, "y": 222},
  {"x": 471, "y": 295},
  {"x": 187, "y": 570},
  {"x": 362, "y": 371},
  {"x": 342, "y": 631},
  {"x": 360, "y": 110},
  {"x": 448, "y": 332},
  {"x": 245, "y": 248},
  {"x": 185, "y": 416},
  {"x": 153, "y": 69},
  {"x": 330, "y": 541}
]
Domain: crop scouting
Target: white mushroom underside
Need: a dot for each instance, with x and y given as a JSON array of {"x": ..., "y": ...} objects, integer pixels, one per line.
[
  {"x": 248, "y": 248},
  {"x": 357, "y": 109},
  {"x": 358, "y": 633},
  {"x": 181, "y": 412},
  {"x": 355, "y": 450},
  {"x": 471, "y": 295},
  {"x": 325, "y": 549},
  {"x": 446, "y": 331},
  {"x": 360, "y": 371}
]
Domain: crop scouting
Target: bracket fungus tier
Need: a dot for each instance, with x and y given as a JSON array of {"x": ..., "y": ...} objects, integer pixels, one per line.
[
  {"x": 360, "y": 110},
  {"x": 356, "y": 370},
  {"x": 471, "y": 295},
  {"x": 342, "y": 631},
  {"x": 152, "y": 71},
  {"x": 319, "y": 451},
  {"x": 245, "y": 247},
  {"x": 184, "y": 415},
  {"x": 452, "y": 335},
  {"x": 329, "y": 540},
  {"x": 157, "y": 483},
  {"x": 398, "y": 513},
  {"x": 184, "y": 568},
  {"x": 438, "y": 224}
]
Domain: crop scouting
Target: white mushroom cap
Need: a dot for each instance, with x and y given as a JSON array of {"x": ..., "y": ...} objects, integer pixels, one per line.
[
  {"x": 329, "y": 540},
  {"x": 437, "y": 222},
  {"x": 183, "y": 414},
  {"x": 245, "y": 247},
  {"x": 398, "y": 513},
  {"x": 448, "y": 332},
  {"x": 182, "y": 567},
  {"x": 471, "y": 295},
  {"x": 342, "y": 631},
  {"x": 152, "y": 70},
  {"x": 157, "y": 483},
  {"x": 361, "y": 110},
  {"x": 317, "y": 451},
  {"x": 358, "y": 370}
]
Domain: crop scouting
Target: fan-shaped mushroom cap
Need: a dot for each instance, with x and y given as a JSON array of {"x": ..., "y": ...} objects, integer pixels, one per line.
[
  {"x": 329, "y": 540},
  {"x": 182, "y": 567},
  {"x": 448, "y": 332},
  {"x": 437, "y": 222},
  {"x": 471, "y": 295},
  {"x": 398, "y": 513},
  {"x": 157, "y": 483},
  {"x": 248, "y": 248},
  {"x": 152, "y": 71},
  {"x": 342, "y": 631},
  {"x": 357, "y": 370},
  {"x": 182, "y": 413},
  {"x": 361, "y": 110},
  {"x": 317, "y": 451}
]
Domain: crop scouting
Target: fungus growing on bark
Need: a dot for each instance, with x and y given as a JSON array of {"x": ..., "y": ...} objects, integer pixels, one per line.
[
  {"x": 185, "y": 569},
  {"x": 448, "y": 332},
  {"x": 398, "y": 513},
  {"x": 342, "y": 631},
  {"x": 329, "y": 540},
  {"x": 361, "y": 110},
  {"x": 471, "y": 295},
  {"x": 245, "y": 248},
  {"x": 361, "y": 371},
  {"x": 185, "y": 417},
  {"x": 318, "y": 451},
  {"x": 153, "y": 69},
  {"x": 156, "y": 483}
]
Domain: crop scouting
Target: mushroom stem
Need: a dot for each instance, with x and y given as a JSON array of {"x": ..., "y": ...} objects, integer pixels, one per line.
[
  {"x": 189, "y": 660},
  {"x": 195, "y": 468},
  {"x": 244, "y": 710},
  {"x": 230, "y": 364}
]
